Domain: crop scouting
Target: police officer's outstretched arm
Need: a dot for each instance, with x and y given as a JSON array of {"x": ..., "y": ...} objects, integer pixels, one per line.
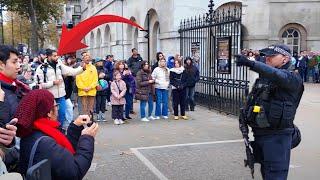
[{"x": 281, "y": 77}]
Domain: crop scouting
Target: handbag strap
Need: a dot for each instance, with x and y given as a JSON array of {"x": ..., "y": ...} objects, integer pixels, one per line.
[
  {"x": 33, "y": 151},
  {"x": 118, "y": 87}
]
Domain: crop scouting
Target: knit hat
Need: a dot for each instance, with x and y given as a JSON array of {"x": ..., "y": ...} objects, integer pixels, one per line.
[
  {"x": 98, "y": 59},
  {"x": 35, "y": 105}
]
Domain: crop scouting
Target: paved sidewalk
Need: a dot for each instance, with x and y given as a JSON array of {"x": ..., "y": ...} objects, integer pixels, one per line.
[{"x": 199, "y": 148}]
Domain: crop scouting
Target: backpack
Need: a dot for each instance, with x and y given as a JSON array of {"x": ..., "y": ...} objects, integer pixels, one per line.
[
  {"x": 44, "y": 68},
  {"x": 41, "y": 170}
]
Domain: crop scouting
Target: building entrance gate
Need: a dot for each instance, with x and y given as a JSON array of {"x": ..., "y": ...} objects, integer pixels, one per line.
[{"x": 212, "y": 41}]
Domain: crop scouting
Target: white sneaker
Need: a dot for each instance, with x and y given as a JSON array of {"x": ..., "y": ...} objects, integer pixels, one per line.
[
  {"x": 116, "y": 122},
  {"x": 157, "y": 118},
  {"x": 121, "y": 121},
  {"x": 145, "y": 119},
  {"x": 165, "y": 117},
  {"x": 151, "y": 118}
]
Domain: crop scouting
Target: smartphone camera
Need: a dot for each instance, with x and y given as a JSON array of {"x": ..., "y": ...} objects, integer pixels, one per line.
[{"x": 91, "y": 119}]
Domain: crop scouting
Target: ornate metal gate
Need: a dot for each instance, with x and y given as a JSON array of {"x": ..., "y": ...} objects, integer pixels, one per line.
[{"x": 212, "y": 41}]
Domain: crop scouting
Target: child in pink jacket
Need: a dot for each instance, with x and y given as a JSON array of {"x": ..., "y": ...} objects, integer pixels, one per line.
[{"x": 118, "y": 90}]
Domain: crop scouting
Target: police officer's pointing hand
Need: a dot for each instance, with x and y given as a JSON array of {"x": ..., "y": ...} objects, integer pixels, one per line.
[{"x": 242, "y": 60}]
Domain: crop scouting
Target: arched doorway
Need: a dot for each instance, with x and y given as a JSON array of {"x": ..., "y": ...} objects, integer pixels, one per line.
[
  {"x": 92, "y": 43},
  {"x": 132, "y": 37},
  {"x": 98, "y": 44},
  {"x": 135, "y": 38},
  {"x": 132, "y": 34},
  {"x": 107, "y": 41},
  {"x": 156, "y": 38},
  {"x": 154, "y": 33}
]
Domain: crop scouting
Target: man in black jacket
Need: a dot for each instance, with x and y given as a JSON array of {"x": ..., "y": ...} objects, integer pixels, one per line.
[
  {"x": 271, "y": 108},
  {"x": 14, "y": 90},
  {"x": 134, "y": 62},
  {"x": 301, "y": 65}
]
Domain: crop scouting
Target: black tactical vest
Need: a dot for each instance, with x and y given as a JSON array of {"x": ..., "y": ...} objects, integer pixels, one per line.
[{"x": 270, "y": 107}]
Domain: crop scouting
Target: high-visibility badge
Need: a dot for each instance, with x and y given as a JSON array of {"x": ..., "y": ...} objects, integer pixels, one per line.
[{"x": 256, "y": 109}]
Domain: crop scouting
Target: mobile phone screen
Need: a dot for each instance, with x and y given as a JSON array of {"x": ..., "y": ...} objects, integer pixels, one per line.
[
  {"x": 12, "y": 122},
  {"x": 91, "y": 119}
]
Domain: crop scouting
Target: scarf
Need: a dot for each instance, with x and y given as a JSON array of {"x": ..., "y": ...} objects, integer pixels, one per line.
[
  {"x": 178, "y": 70},
  {"x": 50, "y": 128},
  {"x": 6, "y": 79},
  {"x": 15, "y": 85}
]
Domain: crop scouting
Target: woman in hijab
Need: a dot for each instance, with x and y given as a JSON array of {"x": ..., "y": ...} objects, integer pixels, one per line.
[{"x": 70, "y": 156}]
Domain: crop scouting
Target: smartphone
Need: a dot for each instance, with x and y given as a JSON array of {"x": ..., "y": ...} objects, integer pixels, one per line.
[
  {"x": 12, "y": 122},
  {"x": 3, "y": 125},
  {"x": 91, "y": 119}
]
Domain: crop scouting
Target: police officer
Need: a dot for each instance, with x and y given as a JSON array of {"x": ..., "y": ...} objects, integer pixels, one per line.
[{"x": 271, "y": 108}]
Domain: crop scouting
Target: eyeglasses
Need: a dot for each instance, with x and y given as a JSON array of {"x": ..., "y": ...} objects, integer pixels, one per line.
[{"x": 55, "y": 106}]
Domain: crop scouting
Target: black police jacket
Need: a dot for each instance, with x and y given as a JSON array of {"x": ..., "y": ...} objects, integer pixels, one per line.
[{"x": 284, "y": 91}]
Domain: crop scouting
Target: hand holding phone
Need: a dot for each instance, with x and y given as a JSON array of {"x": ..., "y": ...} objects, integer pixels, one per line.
[
  {"x": 2, "y": 94},
  {"x": 91, "y": 119},
  {"x": 8, "y": 132},
  {"x": 82, "y": 120}
]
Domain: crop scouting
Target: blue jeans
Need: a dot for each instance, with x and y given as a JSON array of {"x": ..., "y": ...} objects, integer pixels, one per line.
[
  {"x": 311, "y": 73},
  {"x": 69, "y": 114},
  {"x": 143, "y": 107},
  {"x": 162, "y": 102},
  {"x": 129, "y": 102},
  {"x": 190, "y": 97},
  {"x": 62, "y": 109}
]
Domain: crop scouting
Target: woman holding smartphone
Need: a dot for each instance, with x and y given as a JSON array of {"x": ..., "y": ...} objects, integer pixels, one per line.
[{"x": 69, "y": 155}]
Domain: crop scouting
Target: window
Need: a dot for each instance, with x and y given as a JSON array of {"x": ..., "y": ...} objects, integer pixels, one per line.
[
  {"x": 77, "y": 9},
  {"x": 292, "y": 38}
]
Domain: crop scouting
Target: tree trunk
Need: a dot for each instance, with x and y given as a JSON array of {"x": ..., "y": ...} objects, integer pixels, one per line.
[
  {"x": 41, "y": 36},
  {"x": 34, "y": 28}
]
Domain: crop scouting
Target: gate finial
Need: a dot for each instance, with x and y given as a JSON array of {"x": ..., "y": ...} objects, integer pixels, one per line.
[{"x": 210, "y": 14}]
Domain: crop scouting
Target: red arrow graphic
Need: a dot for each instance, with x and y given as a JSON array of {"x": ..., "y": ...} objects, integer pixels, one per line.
[{"x": 70, "y": 41}]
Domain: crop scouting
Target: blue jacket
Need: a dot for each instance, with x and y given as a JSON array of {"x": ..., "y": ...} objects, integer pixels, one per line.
[
  {"x": 192, "y": 75},
  {"x": 108, "y": 67},
  {"x": 170, "y": 62},
  {"x": 64, "y": 165},
  {"x": 130, "y": 83},
  {"x": 302, "y": 64}
]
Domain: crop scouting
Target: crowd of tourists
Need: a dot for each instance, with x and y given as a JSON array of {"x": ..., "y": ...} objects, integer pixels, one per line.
[{"x": 40, "y": 95}]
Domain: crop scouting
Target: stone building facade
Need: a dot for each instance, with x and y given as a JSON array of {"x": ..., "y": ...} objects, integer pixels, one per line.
[{"x": 294, "y": 22}]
